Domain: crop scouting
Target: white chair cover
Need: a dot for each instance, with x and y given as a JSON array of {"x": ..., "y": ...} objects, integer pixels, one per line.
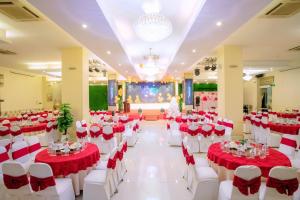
[
  {"x": 24, "y": 158},
  {"x": 107, "y": 145},
  {"x": 192, "y": 141},
  {"x": 288, "y": 145},
  {"x": 174, "y": 135},
  {"x": 228, "y": 190},
  {"x": 62, "y": 190},
  {"x": 205, "y": 141}
]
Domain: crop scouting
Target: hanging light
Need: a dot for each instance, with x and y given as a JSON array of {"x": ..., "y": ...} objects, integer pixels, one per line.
[
  {"x": 153, "y": 26},
  {"x": 247, "y": 77}
]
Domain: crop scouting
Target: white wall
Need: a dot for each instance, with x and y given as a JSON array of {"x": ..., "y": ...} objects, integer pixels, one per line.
[
  {"x": 285, "y": 93},
  {"x": 20, "y": 91},
  {"x": 250, "y": 93}
]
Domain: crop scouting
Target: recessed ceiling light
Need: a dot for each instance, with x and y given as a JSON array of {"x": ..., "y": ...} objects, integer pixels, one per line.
[
  {"x": 119, "y": 64},
  {"x": 84, "y": 26},
  {"x": 219, "y": 23},
  {"x": 271, "y": 69},
  {"x": 126, "y": 71},
  {"x": 194, "y": 50},
  {"x": 175, "y": 71},
  {"x": 182, "y": 63},
  {"x": 108, "y": 52}
]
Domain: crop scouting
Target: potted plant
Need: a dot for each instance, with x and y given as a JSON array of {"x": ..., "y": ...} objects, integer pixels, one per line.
[{"x": 65, "y": 119}]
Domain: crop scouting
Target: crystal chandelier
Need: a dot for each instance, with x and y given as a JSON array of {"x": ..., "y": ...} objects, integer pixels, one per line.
[{"x": 152, "y": 26}]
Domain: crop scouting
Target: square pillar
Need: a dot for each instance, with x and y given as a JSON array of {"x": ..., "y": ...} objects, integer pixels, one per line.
[
  {"x": 230, "y": 86},
  {"x": 75, "y": 82}
]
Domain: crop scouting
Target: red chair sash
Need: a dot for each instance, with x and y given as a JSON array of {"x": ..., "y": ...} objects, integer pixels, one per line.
[
  {"x": 3, "y": 157},
  {"x": 15, "y": 182},
  {"x": 287, "y": 187},
  {"x": 16, "y": 133},
  {"x": 219, "y": 122},
  {"x": 95, "y": 134},
  {"x": 244, "y": 185},
  {"x": 178, "y": 119},
  {"x": 84, "y": 125},
  {"x": 81, "y": 135},
  {"x": 289, "y": 142},
  {"x": 206, "y": 133},
  {"x": 20, "y": 153},
  {"x": 124, "y": 121},
  {"x": 184, "y": 151},
  {"x": 55, "y": 126},
  {"x": 190, "y": 160},
  {"x": 111, "y": 163},
  {"x": 49, "y": 129},
  {"x": 193, "y": 132},
  {"x": 184, "y": 120},
  {"x": 34, "y": 147},
  {"x": 108, "y": 136},
  {"x": 7, "y": 147},
  {"x": 257, "y": 123},
  {"x": 120, "y": 155},
  {"x": 38, "y": 184},
  {"x": 219, "y": 132},
  {"x": 124, "y": 148},
  {"x": 227, "y": 124},
  {"x": 34, "y": 119},
  {"x": 264, "y": 125},
  {"x": 4, "y": 133},
  {"x": 168, "y": 126}
]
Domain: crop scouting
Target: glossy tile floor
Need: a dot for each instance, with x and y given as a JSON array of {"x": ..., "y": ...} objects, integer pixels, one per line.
[{"x": 154, "y": 168}]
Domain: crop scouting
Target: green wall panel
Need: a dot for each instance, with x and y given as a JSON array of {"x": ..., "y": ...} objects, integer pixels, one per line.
[
  {"x": 98, "y": 97},
  {"x": 199, "y": 87}
]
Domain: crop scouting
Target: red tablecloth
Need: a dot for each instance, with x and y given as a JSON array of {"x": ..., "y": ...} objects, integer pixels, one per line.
[
  {"x": 285, "y": 128},
  {"x": 34, "y": 128},
  {"x": 227, "y": 160},
  {"x": 71, "y": 164},
  {"x": 185, "y": 128},
  {"x": 11, "y": 119}
]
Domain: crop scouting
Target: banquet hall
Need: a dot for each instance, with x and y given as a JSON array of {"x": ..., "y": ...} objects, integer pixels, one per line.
[{"x": 149, "y": 100}]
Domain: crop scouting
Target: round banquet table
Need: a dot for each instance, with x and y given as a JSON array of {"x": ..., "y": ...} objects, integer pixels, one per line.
[
  {"x": 225, "y": 163},
  {"x": 292, "y": 129},
  {"x": 74, "y": 165}
]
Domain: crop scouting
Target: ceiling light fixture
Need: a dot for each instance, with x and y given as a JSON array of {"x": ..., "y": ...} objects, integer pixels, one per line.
[
  {"x": 247, "y": 77},
  {"x": 108, "y": 52},
  {"x": 84, "y": 26},
  {"x": 182, "y": 63},
  {"x": 219, "y": 23},
  {"x": 194, "y": 50},
  {"x": 153, "y": 26}
]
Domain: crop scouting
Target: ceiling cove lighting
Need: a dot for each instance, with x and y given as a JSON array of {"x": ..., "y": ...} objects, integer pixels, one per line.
[
  {"x": 247, "y": 77},
  {"x": 153, "y": 26}
]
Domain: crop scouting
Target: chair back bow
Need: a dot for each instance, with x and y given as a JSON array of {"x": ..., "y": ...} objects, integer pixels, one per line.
[
  {"x": 4, "y": 132},
  {"x": 206, "y": 133},
  {"x": 81, "y": 135},
  {"x": 95, "y": 134},
  {"x": 38, "y": 184},
  {"x": 20, "y": 153},
  {"x": 228, "y": 124},
  {"x": 111, "y": 163},
  {"x": 34, "y": 147},
  {"x": 108, "y": 136},
  {"x": 124, "y": 147},
  {"x": 244, "y": 185},
  {"x": 190, "y": 159},
  {"x": 219, "y": 132},
  {"x": 3, "y": 157},
  {"x": 289, "y": 142},
  {"x": 49, "y": 128},
  {"x": 15, "y": 182},
  {"x": 15, "y": 132},
  {"x": 287, "y": 187}
]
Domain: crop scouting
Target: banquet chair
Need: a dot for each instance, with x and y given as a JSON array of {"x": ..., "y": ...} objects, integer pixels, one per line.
[
  {"x": 120, "y": 165},
  {"x": 281, "y": 184},
  {"x": 100, "y": 183},
  {"x": 174, "y": 135},
  {"x": 78, "y": 124},
  {"x": 264, "y": 131},
  {"x": 95, "y": 133},
  {"x": 34, "y": 146},
  {"x": 108, "y": 140},
  {"x": 83, "y": 123},
  {"x": 205, "y": 139},
  {"x": 192, "y": 139},
  {"x": 6, "y": 123},
  {"x": 219, "y": 133},
  {"x": 20, "y": 153},
  {"x": 199, "y": 161},
  {"x": 256, "y": 128},
  {"x": 81, "y": 133},
  {"x": 202, "y": 181},
  {"x": 247, "y": 124},
  {"x": 15, "y": 181},
  {"x": 245, "y": 185},
  {"x": 129, "y": 136},
  {"x": 288, "y": 145},
  {"x": 5, "y": 132},
  {"x": 45, "y": 186},
  {"x": 16, "y": 133},
  {"x": 3, "y": 158},
  {"x": 115, "y": 119},
  {"x": 228, "y": 124}
]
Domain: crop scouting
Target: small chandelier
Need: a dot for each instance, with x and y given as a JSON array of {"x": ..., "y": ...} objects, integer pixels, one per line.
[{"x": 152, "y": 26}]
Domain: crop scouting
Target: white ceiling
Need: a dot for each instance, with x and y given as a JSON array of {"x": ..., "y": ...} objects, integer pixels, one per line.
[
  {"x": 99, "y": 37},
  {"x": 266, "y": 41}
]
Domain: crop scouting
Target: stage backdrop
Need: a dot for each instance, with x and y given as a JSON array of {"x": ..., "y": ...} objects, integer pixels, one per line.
[{"x": 149, "y": 92}]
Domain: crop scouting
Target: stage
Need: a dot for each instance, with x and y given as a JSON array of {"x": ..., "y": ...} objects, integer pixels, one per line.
[{"x": 151, "y": 111}]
